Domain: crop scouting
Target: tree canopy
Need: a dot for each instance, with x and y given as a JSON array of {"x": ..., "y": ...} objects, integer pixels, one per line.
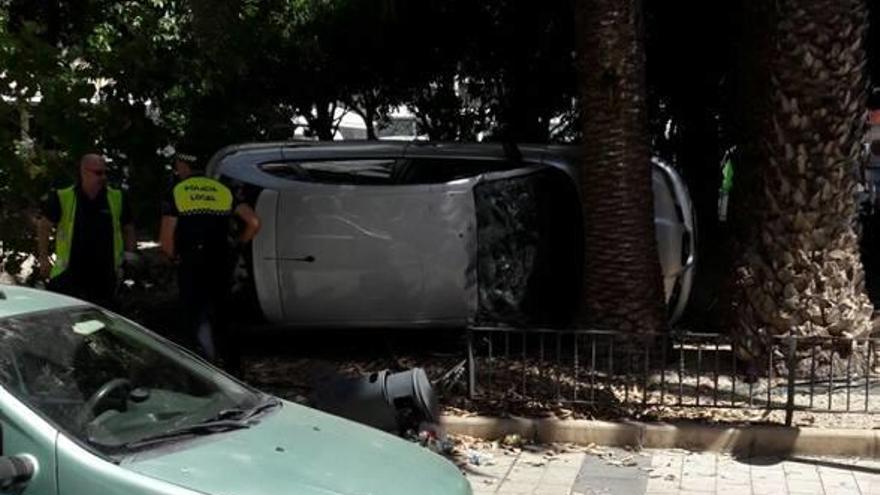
[{"x": 130, "y": 78}]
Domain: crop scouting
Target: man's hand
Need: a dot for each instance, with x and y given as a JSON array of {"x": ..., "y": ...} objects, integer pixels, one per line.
[
  {"x": 166, "y": 236},
  {"x": 251, "y": 222}
]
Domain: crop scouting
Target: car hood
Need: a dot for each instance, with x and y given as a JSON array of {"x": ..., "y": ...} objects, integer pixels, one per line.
[{"x": 301, "y": 451}]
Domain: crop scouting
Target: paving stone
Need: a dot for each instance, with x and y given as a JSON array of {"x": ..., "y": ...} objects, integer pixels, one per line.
[
  {"x": 745, "y": 477},
  {"x": 698, "y": 484},
  {"x": 724, "y": 488},
  {"x": 660, "y": 483},
  {"x": 797, "y": 486},
  {"x": 545, "y": 489},
  {"x": 867, "y": 482},
  {"x": 511, "y": 488},
  {"x": 769, "y": 489},
  {"x": 558, "y": 478},
  {"x": 833, "y": 484},
  {"x": 672, "y": 473},
  {"x": 525, "y": 476},
  {"x": 653, "y": 491},
  {"x": 597, "y": 476},
  {"x": 803, "y": 476},
  {"x": 666, "y": 460},
  {"x": 491, "y": 469}
]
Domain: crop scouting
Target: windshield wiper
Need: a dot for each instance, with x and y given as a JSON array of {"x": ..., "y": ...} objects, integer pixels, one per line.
[
  {"x": 204, "y": 428},
  {"x": 225, "y": 420},
  {"x": 245, "y": 414},
  {"x": 269, "y": 403}
]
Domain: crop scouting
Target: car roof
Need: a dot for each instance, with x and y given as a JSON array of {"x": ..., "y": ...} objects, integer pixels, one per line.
[
  {"x": 16, "y": 300},
  {"x": 291, "y": 149}
]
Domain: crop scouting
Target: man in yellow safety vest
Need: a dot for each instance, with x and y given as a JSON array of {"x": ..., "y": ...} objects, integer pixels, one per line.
[
  {"x": 94, "y": 235},
  {"x": 195, "y": 232}
]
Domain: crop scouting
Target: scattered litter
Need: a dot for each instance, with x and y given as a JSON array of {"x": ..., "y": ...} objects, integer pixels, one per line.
[
  {"x": 513, "y": 440},
  {"x": 478, "y": 458},
  {"x": 598, "y": 451},
  {"x": 433, "y": 439},
  {"x": 680, "y": 451},
  {"x": 627, "y": 461}
]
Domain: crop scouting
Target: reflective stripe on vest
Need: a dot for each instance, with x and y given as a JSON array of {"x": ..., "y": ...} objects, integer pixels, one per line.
[
  {"x": 64, "y": 230},
  {"x": 202, "y": 196}
]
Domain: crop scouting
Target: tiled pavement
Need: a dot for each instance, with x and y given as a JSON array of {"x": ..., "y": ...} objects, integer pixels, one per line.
[
  {"x": 669, "y": 472},
  {"x": 528, "y": 471}
]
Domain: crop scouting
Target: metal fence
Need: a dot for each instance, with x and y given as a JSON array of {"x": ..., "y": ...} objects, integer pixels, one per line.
[{"x": 675, "y": 370}]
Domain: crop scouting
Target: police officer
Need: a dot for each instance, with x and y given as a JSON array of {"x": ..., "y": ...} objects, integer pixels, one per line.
[
  {"x": 94, "y": 235},
  {"x": 195, "y": 232}
]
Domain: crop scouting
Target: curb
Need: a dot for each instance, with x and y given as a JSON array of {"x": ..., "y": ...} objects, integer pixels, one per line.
[{"x": 758, "y": 440}]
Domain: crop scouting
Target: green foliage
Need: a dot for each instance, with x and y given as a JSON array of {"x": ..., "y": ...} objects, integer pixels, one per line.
[{"x": 131, "y": 77}]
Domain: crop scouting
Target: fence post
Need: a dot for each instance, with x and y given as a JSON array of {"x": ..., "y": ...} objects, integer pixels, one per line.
[
  {"x": 472, "y": 367},
  {"x": 791, "y": 363}
]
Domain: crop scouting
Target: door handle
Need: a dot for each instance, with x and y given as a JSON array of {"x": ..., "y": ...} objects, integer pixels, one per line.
[{"x": 306, "y": 259}]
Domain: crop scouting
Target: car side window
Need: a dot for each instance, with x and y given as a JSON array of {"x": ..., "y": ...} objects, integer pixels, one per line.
[
  {"x": 443, "y": 170},
  {"x": 379, "y": 171}
]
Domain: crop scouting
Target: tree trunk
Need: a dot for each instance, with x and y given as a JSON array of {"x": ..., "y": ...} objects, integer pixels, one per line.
[
  {"x": 321, "y": 122},
  {"x": 622, "y": 284},
  {"x": 800, "y": 272},
  {"x": 365, "y": 106}
]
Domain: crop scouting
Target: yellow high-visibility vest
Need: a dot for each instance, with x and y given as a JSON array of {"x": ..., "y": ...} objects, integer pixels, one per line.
[
  {"x": 64, "y": 231},
  {"x": 201, "y": 195}
]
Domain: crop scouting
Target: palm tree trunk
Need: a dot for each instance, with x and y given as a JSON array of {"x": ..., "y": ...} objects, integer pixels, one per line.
[
  {"x": 801, "y": 273},
  {"x": 622, "y": 284}
]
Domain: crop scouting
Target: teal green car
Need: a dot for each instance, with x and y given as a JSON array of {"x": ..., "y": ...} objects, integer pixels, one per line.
[{"x": 91, "y": 403}]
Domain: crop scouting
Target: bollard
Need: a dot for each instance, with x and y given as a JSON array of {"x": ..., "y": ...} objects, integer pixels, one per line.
[{"x": 383, "y": 400}]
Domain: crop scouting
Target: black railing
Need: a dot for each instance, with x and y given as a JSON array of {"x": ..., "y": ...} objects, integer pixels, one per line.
[{"x": 675, "y": 370}]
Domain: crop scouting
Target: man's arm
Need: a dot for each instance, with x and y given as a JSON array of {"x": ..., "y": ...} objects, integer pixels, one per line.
[
  {"x": 44, "y": 230},
  {"x": 251, "y": 222},
  {"x": 166, "y": 235},
  {"x": 129, "y": 238},
  {"x": 127, "y": 220}
]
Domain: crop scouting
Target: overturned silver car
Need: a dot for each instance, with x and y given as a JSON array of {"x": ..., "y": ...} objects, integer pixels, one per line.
[{"x": 399, "y": 234}]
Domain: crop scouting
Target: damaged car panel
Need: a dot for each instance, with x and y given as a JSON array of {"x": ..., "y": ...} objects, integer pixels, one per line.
[
  {"x": 364, "y": 234},
  {"x": 111, "y": 408},
  {"x": 378, "y": 255},
  {"x": 529, "y": 247}
]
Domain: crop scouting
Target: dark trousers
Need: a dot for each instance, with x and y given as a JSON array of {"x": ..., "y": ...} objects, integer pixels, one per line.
[
  {"x": 88, "y": 285},
  {"x": 204, "y": 281}
]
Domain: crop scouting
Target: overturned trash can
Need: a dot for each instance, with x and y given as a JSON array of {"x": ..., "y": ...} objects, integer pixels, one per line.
[{"x": 383, "y": 400}]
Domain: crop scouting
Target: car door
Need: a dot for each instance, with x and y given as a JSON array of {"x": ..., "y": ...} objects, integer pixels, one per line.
[
  {"x": 354, "y": 248},
  {"x": 524, "y": 247},
  {"x": 24, "y": 433}
]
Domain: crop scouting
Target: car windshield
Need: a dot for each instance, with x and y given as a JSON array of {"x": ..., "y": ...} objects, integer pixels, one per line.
[{"x": 110, "y": 383}]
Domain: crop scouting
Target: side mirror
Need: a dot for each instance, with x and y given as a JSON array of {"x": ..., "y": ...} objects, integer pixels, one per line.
[{"x": 15, "y": 471}]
